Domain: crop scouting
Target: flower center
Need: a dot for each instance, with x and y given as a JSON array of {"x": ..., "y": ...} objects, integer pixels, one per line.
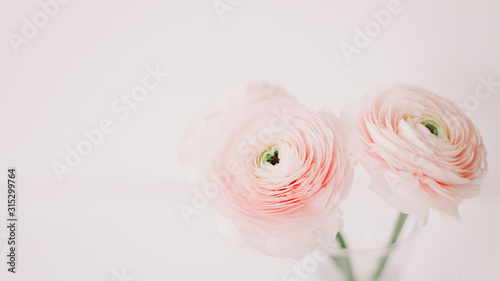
[
  {"x": 273, "y": 158},
  {"x": 432, "y": 129}
]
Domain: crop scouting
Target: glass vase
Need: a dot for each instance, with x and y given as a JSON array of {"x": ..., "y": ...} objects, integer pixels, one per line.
[{"x": 382, "y": 263}]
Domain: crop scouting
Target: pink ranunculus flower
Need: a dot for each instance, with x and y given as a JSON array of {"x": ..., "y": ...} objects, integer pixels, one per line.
[
  {"x": 421, "y": 150},
  {"x": 281, "y": 172}
]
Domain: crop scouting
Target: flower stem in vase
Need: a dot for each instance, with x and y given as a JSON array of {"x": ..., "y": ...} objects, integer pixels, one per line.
[
  {"x": 395, "y": 235},
  {"x": 343, "y": 262}
]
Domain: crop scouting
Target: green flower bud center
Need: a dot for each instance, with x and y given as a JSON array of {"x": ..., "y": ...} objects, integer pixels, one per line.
[
  {"x": 432, "y": 128},
  {"x": 273, "y": 158}
]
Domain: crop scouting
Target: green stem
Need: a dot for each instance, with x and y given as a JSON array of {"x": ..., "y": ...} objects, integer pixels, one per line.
[
  {"x": 343, "y": 262},
  {"x": 341, "y": 241},
  {"x": 394, "y": 238}
]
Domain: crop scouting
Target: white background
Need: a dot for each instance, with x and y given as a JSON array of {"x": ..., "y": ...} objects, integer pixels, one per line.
[{"x": 119, "y": 208}]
